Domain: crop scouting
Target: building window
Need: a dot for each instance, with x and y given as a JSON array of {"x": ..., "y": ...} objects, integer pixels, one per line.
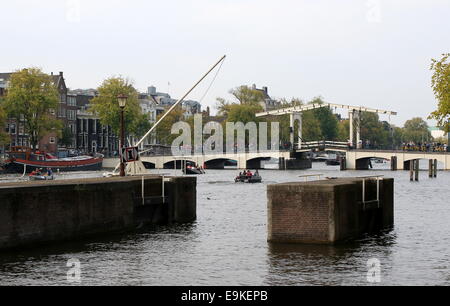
[
  {"x": 73, "y": 128},
  {"x": 71, "y": 114},
  {"x": 72, "y": 101},
  {"x": 63, "y": 98},
  {"x": 12, "y": 128},
  {"x": 52, "y": 140}
]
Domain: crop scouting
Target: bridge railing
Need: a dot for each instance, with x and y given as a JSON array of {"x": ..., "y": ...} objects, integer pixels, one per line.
[{"x": 322, "y": 144}]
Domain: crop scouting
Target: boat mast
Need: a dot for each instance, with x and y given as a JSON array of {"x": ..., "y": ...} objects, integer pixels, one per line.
[{"x": 176, "y": 104}]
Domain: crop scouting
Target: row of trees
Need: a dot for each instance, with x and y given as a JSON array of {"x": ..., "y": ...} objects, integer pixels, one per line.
[
  {"x": 318, "y": 124},
  {"x": 33, "y": 97}
]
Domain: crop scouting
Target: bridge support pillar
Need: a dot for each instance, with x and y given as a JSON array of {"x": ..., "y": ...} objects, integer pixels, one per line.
[
  {"x": 407, "y": 164},
  {"x": 394, "y": 163},
  {"x": 363, "y": 164},
  {"x": 343, "y": 162},
  {"x": 254, "y": 164},
  {"x": 281, "y": 163}
]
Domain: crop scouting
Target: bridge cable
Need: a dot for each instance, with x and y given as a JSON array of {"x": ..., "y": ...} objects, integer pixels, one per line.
[{"x": 212, "y": 82}]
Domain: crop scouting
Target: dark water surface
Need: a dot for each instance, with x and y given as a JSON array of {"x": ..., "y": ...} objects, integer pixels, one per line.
[{"x": 227, "y": 245}]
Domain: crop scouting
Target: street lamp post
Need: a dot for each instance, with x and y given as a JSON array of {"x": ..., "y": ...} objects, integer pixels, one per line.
[{"x": 122, "y": 103}]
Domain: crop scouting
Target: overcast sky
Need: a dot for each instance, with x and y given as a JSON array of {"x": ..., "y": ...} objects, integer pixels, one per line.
[{"x": 374, "y": 53}]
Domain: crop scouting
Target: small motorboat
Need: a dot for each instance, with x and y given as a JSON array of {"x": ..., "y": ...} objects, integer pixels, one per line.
[
  {"x": 194, "y": 170},
  {"x": 319, "y": 158},
  {"x": 252, "y": 178},
  {"x": 41, "y": 178},
  {"x": 333, "y": 160}
]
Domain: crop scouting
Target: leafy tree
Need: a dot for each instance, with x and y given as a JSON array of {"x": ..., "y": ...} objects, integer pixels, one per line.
[
  {"x": 4, "y": 139},
  {"x": 247, "y": 95},
  {"x": 416, "y": 130},
  {"x": 32, "y": 95},
  {"x": 244, "y": 113},
  {"x": 66, "y": 137},
  {"x": 440, "y": 82},
  {"x": 164, "y": 129},
  {"x": 378, "y": 133},
  {"x": 343, "y": 133},
  {"x": 328, "y": 120},
  {"x": 142, "y": 125},
  {"x": 106, "y": 106}
]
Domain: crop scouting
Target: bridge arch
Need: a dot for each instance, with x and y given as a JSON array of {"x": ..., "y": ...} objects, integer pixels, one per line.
[
  {"x": 219, "y": 163},
  {"x": 360, "y": 159},
  {"x": 367, "y": 163},
  {"x": 177, "y": 163},
  {"x": 149, "y": 165},
  {"x": 424, "y": 164},
  {"x": 255, "y": 163}
]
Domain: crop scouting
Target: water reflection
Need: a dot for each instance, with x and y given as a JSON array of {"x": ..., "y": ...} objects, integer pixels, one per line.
[
  {"x": 320, "y": 264},
  {"x": 227, "y": 245}
]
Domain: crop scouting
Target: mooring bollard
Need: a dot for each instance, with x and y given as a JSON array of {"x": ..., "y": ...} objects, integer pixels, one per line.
[
  {"x": 435, "y": 168},
  {"x": 430, "y": 168},
  {"x": 411, "y": 170},
  {"x": 393, "y": 163},
  {"x": 417, "y": 169}
]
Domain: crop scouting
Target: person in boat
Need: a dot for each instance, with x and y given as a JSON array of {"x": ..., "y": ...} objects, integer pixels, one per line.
[
  {"x": 49, "y": 172},
  {"x": 256, "y": 172},
  {"x": 249, "y": 174}
]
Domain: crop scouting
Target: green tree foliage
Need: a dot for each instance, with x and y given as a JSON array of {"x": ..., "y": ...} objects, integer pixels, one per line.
[
  {"x": 163, "y": 131},
  {"x": 376, "y": 132},
  {"x": 32, "y": 95},
  {"x": 328, "y": 121},
  {"x": 311, "y": 125},
  {"x": 244, "y": 113},
  {"x": 440, "y": 82},
  {"x": 247, "y": 95},
  {"x": 343, "y": 133},
  {"x": 416, "y": 130},
  {"x": 4, "y": 139},
  {"x": 106, "y": 106}
]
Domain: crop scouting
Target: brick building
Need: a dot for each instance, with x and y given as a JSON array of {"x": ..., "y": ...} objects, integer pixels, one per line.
[
  {"x": 91, "y": 136},
  {"x": 66, "y": 112}
]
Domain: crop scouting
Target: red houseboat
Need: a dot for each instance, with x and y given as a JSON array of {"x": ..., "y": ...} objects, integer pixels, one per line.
[{"x": 22, "y": 159}]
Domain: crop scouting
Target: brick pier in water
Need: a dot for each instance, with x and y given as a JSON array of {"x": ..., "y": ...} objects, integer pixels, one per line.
[
  {"x": 329, "y": 211},
  {"x": 33, "y": 213}
]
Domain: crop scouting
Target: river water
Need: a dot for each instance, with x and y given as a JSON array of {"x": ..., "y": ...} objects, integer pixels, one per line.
[{"x": 227, "y": 245}]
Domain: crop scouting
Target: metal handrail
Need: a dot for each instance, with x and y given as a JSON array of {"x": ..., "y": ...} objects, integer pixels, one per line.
[
  {"x": 306, "y": 176},
  {"x": 364, "y": 189}
]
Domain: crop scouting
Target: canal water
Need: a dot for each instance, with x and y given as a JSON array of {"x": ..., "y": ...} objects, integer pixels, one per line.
[{"x": 227, "y": 245}]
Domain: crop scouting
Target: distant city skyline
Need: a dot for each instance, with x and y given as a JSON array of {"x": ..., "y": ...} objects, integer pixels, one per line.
[{"x": 371, "y": 53}]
